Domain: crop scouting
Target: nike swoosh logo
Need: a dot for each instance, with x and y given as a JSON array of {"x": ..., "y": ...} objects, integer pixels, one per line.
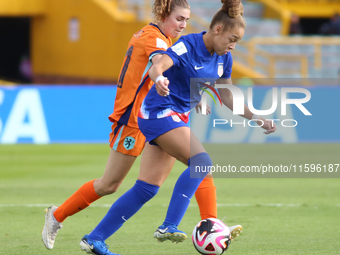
[
  {"x": 185, "y": 196},
  {"x": 197, "y": 68},
  {"x": 162, "y": 231},
  {"x": 124, "y": 218},
  {"x": 90, "y": 246}
]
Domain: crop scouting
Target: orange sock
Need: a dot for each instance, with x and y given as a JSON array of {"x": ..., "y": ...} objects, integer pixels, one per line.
[
  {"x": 81, "y": 199},
  {"x": 206, "y": 198}
]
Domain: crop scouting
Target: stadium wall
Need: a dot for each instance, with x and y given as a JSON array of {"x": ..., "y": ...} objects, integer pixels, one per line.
[
  {"x": 79, "y": 41},
  {"x": 79, "y": 114},
  {"x": 22, "y": 8}
]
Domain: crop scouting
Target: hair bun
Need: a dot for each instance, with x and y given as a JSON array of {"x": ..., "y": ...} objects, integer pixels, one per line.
[
  {"x": 231, "y": 3},
  {"x": 232, "y": 7},
  {"x": 241, "y": 9},
  {"x": 233, "y": 12}
]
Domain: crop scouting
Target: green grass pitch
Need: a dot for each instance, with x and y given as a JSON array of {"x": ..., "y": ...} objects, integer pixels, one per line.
[{"x": 278, "y": 215}]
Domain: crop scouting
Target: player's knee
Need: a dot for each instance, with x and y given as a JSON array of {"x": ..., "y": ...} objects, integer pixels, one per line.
[
  {"x": 200, "y": 159},
  {"x": 200, "y": 164},
  {"x": 112, "y": 188},
  {"x": 104, "y": 189},
  {"x": 145, "y": 190}
]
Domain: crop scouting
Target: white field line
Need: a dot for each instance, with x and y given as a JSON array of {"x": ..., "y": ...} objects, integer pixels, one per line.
[{"x": 164, "y": 205}]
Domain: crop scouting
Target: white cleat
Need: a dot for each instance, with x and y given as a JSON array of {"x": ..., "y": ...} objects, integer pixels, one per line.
[
  {"x": 235, "y": 231},
  {"x": 51, "y": 228},
  {"x": 169, "y": 232}
]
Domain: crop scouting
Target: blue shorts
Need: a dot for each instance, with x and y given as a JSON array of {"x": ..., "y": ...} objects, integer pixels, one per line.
[{"x": 153, "y": 128}]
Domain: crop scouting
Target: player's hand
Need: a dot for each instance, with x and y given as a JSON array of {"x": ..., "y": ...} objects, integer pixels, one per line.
[
  {"x": 198, "y": 108},
  {"x": 268, "y": 125},
  {"x": 162, "y": 87}
]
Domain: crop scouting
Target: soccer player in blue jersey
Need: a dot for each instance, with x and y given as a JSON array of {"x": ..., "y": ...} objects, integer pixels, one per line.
[
  {"x": 164, "y": 112},
  {"x": 162, "y": 119}
]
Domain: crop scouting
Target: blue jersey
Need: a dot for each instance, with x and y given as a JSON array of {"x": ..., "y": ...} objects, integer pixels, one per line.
[{"x": 193, "y": 67}]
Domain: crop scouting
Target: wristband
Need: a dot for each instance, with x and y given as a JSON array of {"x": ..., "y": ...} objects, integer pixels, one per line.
[
  {"x": 255, "y": 117},
  {"x": 161, "y": 77}
]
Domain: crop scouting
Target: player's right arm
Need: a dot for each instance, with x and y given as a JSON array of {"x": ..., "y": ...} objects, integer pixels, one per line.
[
  {"x": 156, "y": 74},
  {"x": 156, "y": 58},
  {"x": 227, "y": 99}
]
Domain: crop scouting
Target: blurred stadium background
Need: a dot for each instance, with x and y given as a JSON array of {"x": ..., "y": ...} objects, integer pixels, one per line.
[{"x": 84, "y": 41}]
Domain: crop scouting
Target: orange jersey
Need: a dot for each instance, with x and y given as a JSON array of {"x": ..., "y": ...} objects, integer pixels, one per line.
[{"x": 134, "y": 82}]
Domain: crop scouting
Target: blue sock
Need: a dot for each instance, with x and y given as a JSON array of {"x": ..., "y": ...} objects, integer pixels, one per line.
[
  {"x": 185, "y": 188},
  {"x": 123, "y": 209}
]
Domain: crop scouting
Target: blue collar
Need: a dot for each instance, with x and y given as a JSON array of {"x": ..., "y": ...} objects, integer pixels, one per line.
[{"x": 152, "y": 24}]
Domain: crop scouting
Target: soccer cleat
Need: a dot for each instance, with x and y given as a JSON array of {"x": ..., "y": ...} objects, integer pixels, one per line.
[
  {"x": 169, "y": 232},
  {"x": 235, "y": 231},
  {"x": 51, "y": 228},
  {"x": 95, "y": 247}
]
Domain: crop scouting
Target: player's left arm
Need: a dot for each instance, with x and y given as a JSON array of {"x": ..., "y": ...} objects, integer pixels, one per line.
[{"x": 227, "y": 100}]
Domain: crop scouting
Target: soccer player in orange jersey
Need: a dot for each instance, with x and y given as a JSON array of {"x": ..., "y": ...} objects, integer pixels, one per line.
[{"x": 126, "y": 140}]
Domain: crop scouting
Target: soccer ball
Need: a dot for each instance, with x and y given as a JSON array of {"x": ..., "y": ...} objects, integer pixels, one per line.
[{"x": 211, "y": 236}]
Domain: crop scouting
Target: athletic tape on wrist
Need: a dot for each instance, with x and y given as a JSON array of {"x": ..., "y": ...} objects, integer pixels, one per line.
[
  {"x": 161, "y": 77},
  {"x": 255, "y": 117}
]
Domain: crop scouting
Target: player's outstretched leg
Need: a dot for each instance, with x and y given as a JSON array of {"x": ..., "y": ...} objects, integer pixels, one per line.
[
  {"x": 183, "y": 192},
  {"x": 169, "y": 232},
  {"x": 235, "y": 231},
  {"x": 95, "y": 247},
  {"x": 51, "y": 228}
]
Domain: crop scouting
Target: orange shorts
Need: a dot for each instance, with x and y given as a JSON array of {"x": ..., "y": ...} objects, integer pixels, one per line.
[{"x": 127, "y": 140}]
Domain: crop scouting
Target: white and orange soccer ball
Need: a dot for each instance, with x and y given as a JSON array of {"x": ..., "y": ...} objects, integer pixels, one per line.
[{"x": 211, "y": 236}]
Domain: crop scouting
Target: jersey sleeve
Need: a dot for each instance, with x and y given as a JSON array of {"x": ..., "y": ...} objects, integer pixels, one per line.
[
  {"x": 155, "y": 45},
  {"x": 179, "y": 52},
  {"x": 228, "y": 65}
]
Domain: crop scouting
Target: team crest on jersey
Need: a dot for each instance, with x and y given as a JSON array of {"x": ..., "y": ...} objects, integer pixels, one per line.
[
  {"x": 220, "y": 69},
  {"x": 138, "y": 34},
  {"x": 129, "y": 142}
]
